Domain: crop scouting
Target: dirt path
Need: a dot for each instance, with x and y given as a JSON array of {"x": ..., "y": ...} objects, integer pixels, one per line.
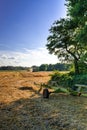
[{"x": 23, "y": 108}]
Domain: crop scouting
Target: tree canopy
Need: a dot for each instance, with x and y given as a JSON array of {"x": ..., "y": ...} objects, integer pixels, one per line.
[
  {"x": 77, "y": 10},
  {"x": 67, "y": 37}
]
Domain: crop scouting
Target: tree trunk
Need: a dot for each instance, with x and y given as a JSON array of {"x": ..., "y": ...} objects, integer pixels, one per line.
[{"x": 76, "y": 66}]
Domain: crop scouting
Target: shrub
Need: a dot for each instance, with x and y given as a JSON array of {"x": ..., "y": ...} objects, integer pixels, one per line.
[
  {"x": 68, "y": 80},
  {"x": 80, "y": 79},
  {"x": 62, "y": 79}
]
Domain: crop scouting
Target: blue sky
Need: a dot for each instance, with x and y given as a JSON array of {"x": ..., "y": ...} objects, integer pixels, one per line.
[{"x": 24, "y": 28}]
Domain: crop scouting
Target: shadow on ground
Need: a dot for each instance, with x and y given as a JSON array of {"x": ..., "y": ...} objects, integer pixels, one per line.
[
  {"x": 26, "y": 88},
  {"x": 59, "y": 112}
]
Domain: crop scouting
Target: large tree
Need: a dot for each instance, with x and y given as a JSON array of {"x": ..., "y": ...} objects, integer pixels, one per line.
[
  {"x": 63, "y": 40},
  {"x": 77, "y": 10}
]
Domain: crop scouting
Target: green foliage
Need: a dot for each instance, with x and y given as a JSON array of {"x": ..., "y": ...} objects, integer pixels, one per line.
[
  {"x": 61, "y": 42},
  {"x": 80, "y": 79},
  {"x": 52, "y": 67},
  {"x": 74, "y": 93},
  {"x": 83, "y": 67},
  {"x": 64, "y": 80},
  {"x": 13, "y": 68},
  {"x": 61, "y": 90},
  {"x": 43, "y": 67},
  {"x": 68, "y": 37},
  {"x": 68, "y": 80},
  {"x": 77, "y": 10},
  {"x": 65, "y": 83}
]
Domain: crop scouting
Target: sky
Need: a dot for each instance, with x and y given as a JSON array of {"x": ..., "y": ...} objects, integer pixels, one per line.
[{"x": 24, "y": 28}]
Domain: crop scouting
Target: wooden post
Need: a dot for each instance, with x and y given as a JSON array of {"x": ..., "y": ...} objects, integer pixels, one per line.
[{"x": 46, "y": 93}]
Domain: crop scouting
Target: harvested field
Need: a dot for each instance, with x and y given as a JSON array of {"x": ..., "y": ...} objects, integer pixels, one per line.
[{"x": 22, "y": 106}]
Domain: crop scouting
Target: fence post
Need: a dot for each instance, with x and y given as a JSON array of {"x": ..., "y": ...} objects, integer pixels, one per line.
[{"x": 45, "y": 93}]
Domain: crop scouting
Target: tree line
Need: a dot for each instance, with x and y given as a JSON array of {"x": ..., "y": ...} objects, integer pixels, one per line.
[
  {"x": 52, "y": 67},
  {"x": 13, "y": 68},
  {"x": 42, "y": 67}
]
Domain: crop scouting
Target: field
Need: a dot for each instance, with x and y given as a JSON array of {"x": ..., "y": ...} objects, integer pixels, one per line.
[{"x": 22, "y": 106}]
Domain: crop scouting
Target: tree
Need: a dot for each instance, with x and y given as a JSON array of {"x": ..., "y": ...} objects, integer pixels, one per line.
[
  {"x": 64, "y": 35},
  {"x": 61, "y": 42},
  {"x": 43, "y": 67},
  {"x": 50, "y": 67},
  {"x": 77, "y": 10}
]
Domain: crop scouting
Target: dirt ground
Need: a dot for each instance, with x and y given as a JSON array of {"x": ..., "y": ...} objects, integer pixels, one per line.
[{"x": 22, "y": 106}]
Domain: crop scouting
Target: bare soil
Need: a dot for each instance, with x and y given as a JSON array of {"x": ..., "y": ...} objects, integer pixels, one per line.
[{"x": 22, "y": 106}]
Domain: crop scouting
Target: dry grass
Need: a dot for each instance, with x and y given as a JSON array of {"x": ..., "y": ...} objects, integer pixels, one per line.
[
  {"x": 23, "y": 108},
  {"x": 11, "y": 82}
]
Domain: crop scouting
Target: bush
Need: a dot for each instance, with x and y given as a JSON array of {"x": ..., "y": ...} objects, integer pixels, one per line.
[
  {"x": 68, "y": 80},
  {"x": 80, "y": 79},
  {"x": 62, "y": 79}
]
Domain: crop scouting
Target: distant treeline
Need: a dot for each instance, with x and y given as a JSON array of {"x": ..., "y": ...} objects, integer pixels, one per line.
[
  {"x": 13, "y": 68},
  {"x": 42, "y": 67},
  {"x": 52, "y": 67}
]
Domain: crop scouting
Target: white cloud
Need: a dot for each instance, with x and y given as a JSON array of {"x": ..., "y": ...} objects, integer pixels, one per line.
[{"x": 27, "y": 58}]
